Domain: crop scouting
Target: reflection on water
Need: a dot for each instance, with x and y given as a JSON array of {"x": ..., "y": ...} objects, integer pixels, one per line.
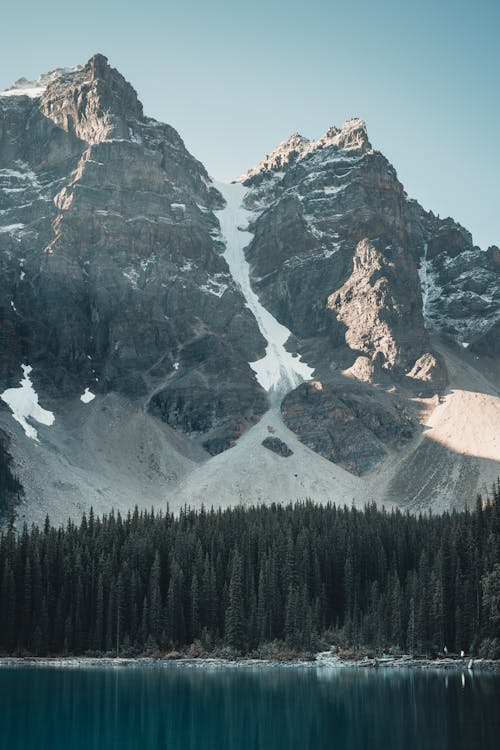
[{"x": 188, "y": 707}]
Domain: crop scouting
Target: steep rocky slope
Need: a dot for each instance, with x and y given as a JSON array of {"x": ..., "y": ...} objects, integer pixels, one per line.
[
  {"x": 112, "y": 277},
  {"x": 150, "y": 317}
]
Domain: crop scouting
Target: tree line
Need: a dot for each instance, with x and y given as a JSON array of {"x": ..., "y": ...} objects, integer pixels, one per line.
[{"x": 234, "y": 581}]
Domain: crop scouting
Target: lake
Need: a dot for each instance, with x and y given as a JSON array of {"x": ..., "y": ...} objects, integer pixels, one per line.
[{"x": 183, "y": 707}]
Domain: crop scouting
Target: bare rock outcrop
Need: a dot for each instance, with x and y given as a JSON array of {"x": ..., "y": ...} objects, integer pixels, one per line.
[
  {"x": 278, "y": 446},
  {"x": 348, "y": 424}
]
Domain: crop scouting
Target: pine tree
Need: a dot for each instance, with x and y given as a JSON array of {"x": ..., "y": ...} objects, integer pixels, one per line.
[
  {"x": 235, "y": 630},
  {"x": 154, "y": 598}
]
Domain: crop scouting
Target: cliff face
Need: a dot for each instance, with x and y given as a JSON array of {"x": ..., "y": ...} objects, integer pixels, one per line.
[{"x": 112, "y": 275}]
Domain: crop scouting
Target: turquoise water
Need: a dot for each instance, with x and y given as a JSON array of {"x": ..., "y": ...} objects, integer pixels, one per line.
[{"x": 179, "y": 707}]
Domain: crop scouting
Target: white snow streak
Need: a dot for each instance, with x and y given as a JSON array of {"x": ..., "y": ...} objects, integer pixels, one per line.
[
  {"x": 32, "y": 91},
  {"x": 278, "y": 371},
  {"x": 428, "y": 287},
  {"x": 24, "y": 404}
]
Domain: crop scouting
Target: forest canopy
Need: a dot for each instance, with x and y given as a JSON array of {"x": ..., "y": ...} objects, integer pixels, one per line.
[{"x": 234, "y": 581}]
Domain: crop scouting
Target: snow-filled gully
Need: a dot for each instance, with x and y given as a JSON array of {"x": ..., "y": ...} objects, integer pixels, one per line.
[
  {"x": 278, "y": 371},
  {"x": 23, "y": 402},
  {"x": 429, "y": 289}
]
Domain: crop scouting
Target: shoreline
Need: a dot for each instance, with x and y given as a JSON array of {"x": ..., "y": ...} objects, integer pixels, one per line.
[{"x": 323, "y": 660}]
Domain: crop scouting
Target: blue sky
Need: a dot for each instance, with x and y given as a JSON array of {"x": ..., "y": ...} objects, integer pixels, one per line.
[{"x": 235, "y": 78}]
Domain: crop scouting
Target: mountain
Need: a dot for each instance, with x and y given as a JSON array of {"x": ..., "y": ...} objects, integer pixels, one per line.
[{"x": 308, "y": 331}]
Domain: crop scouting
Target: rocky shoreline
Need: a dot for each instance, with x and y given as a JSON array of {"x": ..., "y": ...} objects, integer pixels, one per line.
[{"x": 322, "y": 660}]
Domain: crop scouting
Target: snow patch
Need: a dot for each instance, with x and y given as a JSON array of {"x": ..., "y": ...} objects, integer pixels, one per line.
[
  {"x": 333, "y": 190},
  {"x": 87, "y": 396},
  {"x": 215, "y": 285},
  {"x": 429, "y": 288},
  {"x": 146, "y": 262},
  {"x": 351, "y": 137},
  {"x": 134, "y": 137},
  {"x": 278, "y": 371},
  {"x": 132, "y": 275},
  {"x": 24, "y": 404},
  {"x": 11, "y": 228},
  {"x": 34, "y": 89}
]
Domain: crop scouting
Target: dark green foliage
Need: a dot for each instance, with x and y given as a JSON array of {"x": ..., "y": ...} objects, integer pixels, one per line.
[
  {"x": 245, "y": 577},
  {"x": 10, "y": 487}
]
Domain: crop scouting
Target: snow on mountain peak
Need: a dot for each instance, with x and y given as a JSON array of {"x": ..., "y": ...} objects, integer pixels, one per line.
[
  {"x": 36, "y": 87},
  {"x": 285, "y": 153},
  {"x": 351, "y": 136}
]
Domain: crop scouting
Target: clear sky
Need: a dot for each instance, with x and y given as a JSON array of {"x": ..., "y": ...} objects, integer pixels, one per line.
[{"x": 235, "y": 78}]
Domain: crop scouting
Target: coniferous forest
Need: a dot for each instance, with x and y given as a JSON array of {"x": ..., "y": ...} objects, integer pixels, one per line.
[
  {"x": 10, "y": 488},
  {"x": 240, "y": 580}
]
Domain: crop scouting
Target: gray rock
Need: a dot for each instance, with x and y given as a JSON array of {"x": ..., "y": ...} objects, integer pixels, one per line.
[
  {"x": 276, "y": 445},
  {"x": 349, "y": 424}
]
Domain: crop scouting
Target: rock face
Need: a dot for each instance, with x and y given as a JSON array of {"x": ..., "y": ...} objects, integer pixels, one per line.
[
  {"x": 381, "y": 317},
  {"x": 276, "y": 445},
  {"x": 348, "y": 424},
  {"x": 461, "y": 286},
  {"x": 112, "y": 275}
]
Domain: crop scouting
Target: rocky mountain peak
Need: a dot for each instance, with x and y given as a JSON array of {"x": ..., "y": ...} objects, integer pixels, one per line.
[
  {"x": 94, "y": 101},
  {"x": 352, "y": 136},
  {"x": 287, "y": 152},
  {"x": 34, "y": 88}
]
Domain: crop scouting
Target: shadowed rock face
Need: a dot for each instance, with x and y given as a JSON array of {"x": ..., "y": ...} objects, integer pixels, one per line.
[
  {"x": 489, "y": 343},
  {"x": 110, "y": 265},
  {"x": 200, "y": 401},
  {"x": 348, "y": 424},
  {"x": 276, "y": 445}
]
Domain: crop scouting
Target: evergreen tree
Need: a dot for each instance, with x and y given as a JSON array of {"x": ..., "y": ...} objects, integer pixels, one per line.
[{"x": 235, "y": 630}]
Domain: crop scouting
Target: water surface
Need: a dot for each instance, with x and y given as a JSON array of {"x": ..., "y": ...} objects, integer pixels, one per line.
[{"x": 183, "y": 707}]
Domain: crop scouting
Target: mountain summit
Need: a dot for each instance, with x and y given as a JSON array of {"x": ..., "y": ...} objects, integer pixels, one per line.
[
  {"x": 351, "y": 136},
  {"x": 309, "y": 331}
]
